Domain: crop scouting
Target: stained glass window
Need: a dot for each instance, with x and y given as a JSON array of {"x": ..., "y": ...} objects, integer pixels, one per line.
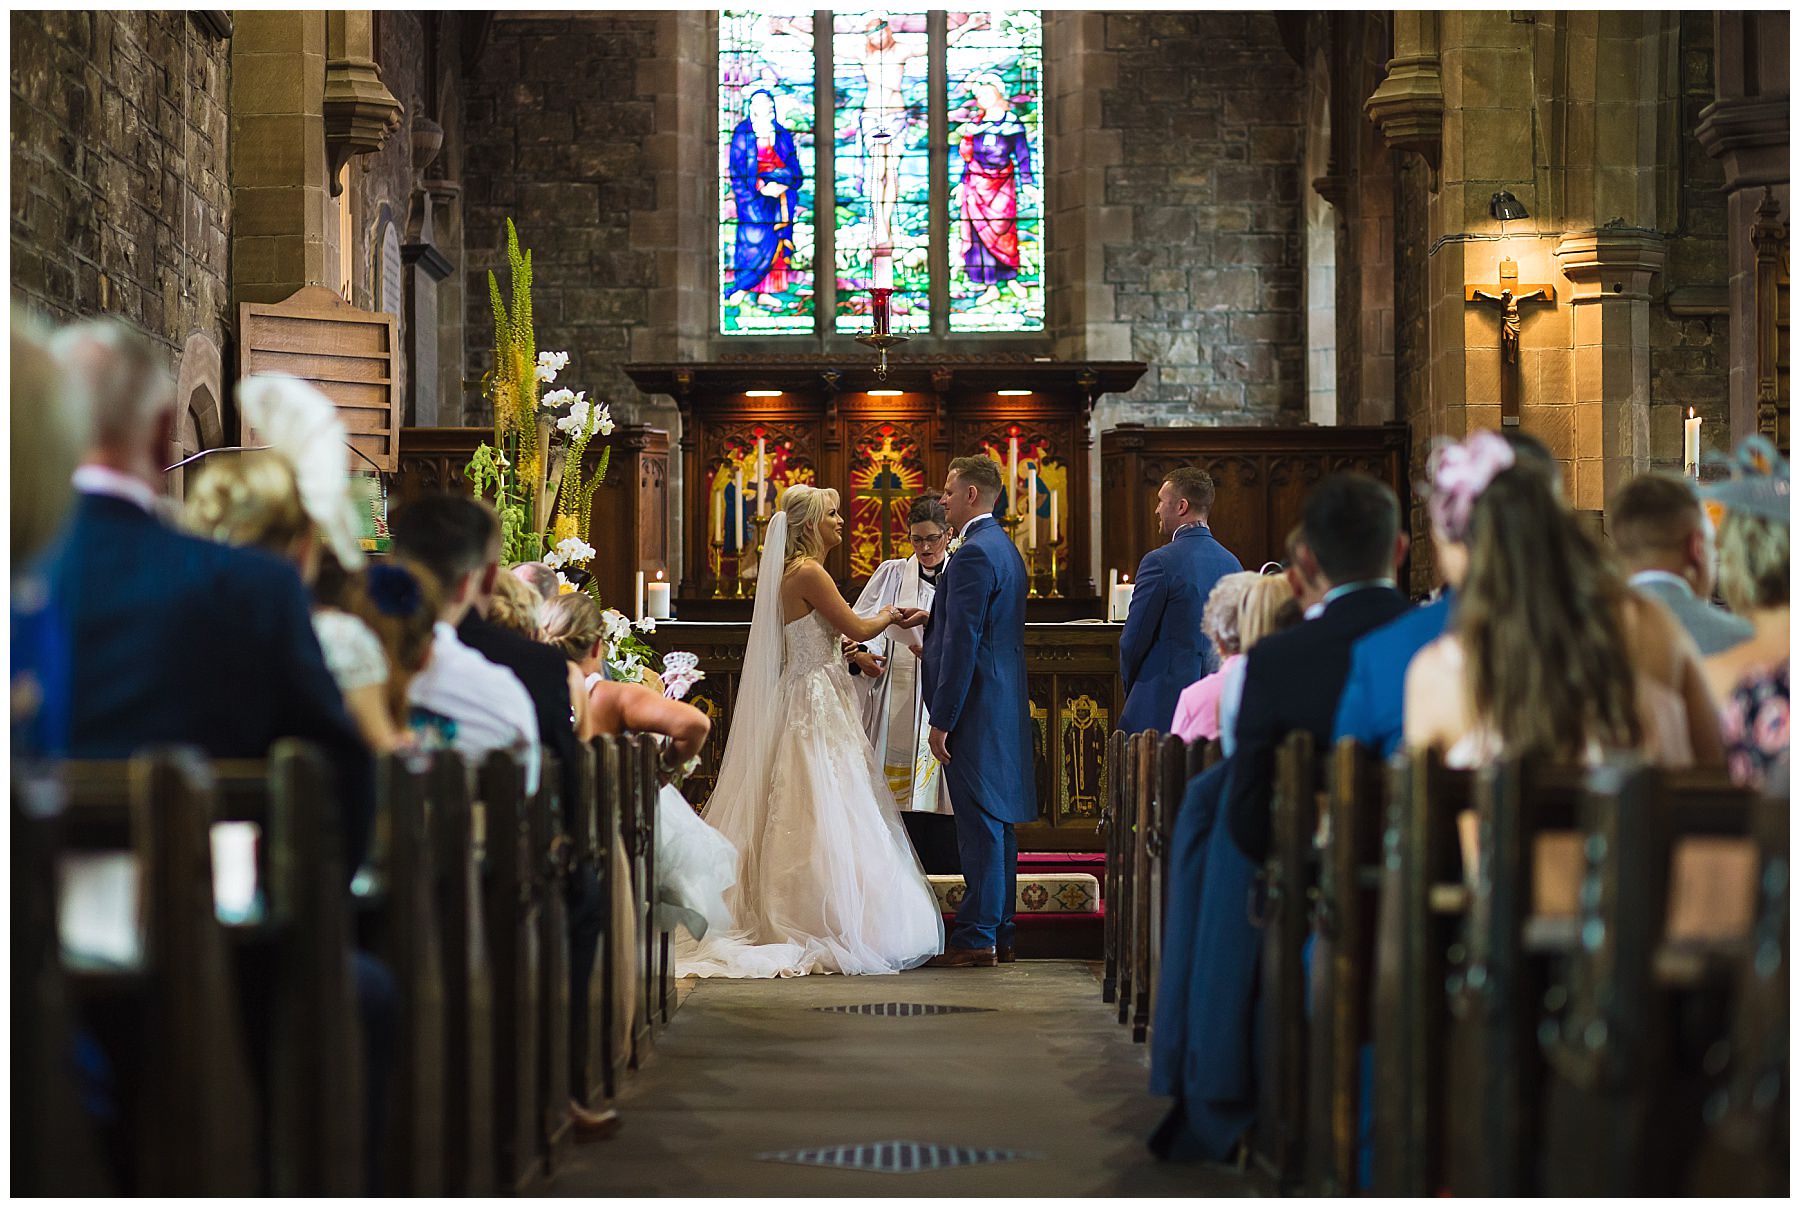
[
  {"x": 766, "y": 199},
  {"x": 882, "y": 163},
  {"x": 995, "y": 74}
]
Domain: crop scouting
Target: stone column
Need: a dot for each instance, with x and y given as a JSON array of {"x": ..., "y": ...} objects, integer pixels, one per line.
[{"x": 1610, "y": 272}]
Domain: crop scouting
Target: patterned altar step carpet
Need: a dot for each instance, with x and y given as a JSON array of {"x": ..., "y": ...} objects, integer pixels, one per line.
[
  {"x": 1059, "y": 912},
  {"x": 1009, "y": 1081}
]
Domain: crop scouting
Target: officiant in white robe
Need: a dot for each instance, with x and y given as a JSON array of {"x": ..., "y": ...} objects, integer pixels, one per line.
[{"x": 886, "y": 675}]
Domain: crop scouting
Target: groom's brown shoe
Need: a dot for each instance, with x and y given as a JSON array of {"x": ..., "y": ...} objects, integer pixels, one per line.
[
  {"x": 963, "y": 958},
  {"x": 1006, "y": 955}
]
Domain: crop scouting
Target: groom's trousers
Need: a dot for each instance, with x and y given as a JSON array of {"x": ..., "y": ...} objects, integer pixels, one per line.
[{"x": 990, "y": 866}]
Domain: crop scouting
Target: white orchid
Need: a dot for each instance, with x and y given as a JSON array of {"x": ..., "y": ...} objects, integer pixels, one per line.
[
  {"x": 576, "y": 421},
  {"x": 558, "y": 398},
  {"x": 616, "y": 626},
  {"x": 569, "y": 552},
  {"x": 645, "y": 624},
  {"x": 605, "y": 425},
  {"x": 549, "y": 364}
]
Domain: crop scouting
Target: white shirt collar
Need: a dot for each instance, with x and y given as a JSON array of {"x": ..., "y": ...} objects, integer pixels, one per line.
[
  {"x": 1662, "y": 576},
  {"x": 104, "y": 480}
]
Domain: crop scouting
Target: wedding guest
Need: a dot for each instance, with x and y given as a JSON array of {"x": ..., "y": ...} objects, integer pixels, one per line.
[
  {"x": 1163, "y": 648},
  {"x": 540, "y": 577},
  {"x": 457, "y": 538},
  {"x": 1551, "y": 655},
  {"x": 1351, "y": 540},
  {"x": 398, "y": 601},
  {"x": 1197, "y": 712},
  {"x": 1268, "y": 607},
  {"x": 885, "y": 672},
  {"x": 1752, "y": 678},
  {"x": 514, "y": 606},
  {"x": 1373, "y": 707},
  {"x": 1308, "y": 587},
  {"x": 1666, "y": 541}
]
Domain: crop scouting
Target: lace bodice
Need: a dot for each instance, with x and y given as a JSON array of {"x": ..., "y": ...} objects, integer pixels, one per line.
[{"x": 811, "y": 645}]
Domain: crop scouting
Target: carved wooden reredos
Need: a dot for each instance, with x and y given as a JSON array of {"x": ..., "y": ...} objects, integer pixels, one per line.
[{"x": 881, "y": 443}]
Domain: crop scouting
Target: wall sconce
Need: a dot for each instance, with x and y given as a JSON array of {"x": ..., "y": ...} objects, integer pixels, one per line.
[
  {"x": 886, "y": 393},
  {"x": 1013, "y": 393},
  {"x": 762, "y": 394},
  {"x": 1506, "y": 208}
]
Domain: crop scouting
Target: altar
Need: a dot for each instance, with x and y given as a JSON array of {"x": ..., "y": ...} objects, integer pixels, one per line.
[{"x": 1073, "y": 680}]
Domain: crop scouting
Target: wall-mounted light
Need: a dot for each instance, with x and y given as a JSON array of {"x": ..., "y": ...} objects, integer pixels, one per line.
[
  {"x": 1507, "y": 208},
  {"x": 762, "y": 394},
  {"x": 1013, "y": 393},
  {"x": 886, "y": 393}
]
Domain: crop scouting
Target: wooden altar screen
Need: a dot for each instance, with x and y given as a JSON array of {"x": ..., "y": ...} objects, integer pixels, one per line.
[
  {"x": 1072, "y": 674},
  {"x": 880, "y": 442},
  {"x": 1261, "y": 476},
  {"x": 632, "y": 505}
]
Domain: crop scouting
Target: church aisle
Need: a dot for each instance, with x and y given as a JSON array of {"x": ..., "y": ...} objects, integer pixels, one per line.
[{"x": 748, "y": 1068}]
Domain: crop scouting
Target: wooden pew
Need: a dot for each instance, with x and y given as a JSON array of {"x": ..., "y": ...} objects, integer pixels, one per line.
[
  {"x": 511, "y": 907},
  {"x": 1171, "y": 757},
  {"x": 1125, "y": 888},
  {"x": 552, "y": 853},
  {"x": 1343, "y": 946},
  {"x": 1146, "y": 850},
  {"x": 1279, "y": 1138},
  {"x": 467, "y": 1054},
  {"x": 169, "y": 1016},
  {"x": 403, "y": 903},
  {"x": 616, "y": 953},
  {"x": 1111, "y": 817},
  {"x": 56, "y": 1146},
  {"x": 592, "y": 850},
  {"x": 640, "y": 844}
]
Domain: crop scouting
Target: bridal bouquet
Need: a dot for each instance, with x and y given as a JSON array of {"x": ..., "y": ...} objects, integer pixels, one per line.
[{"x": 535, "y": 466}]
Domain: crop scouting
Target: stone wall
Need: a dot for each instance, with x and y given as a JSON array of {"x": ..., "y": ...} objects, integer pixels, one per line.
[
  {"x": 120, "y": 194},
  {"x": 557, "y": 134},
  {"x": 1209, "y": 109}
]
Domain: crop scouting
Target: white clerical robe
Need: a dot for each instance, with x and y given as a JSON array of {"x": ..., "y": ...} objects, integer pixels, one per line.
[{"x": 893, "y": 703}]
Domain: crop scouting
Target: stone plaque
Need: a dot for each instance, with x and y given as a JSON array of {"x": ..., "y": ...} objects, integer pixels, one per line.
[{"x": 389, "y": 295}]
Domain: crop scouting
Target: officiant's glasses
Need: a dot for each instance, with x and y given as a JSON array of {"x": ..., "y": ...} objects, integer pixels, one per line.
[{"x": 929, "y": 541}]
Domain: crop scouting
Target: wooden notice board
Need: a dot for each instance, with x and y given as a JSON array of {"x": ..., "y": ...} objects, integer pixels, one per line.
[{"x": 348, "y": 354}]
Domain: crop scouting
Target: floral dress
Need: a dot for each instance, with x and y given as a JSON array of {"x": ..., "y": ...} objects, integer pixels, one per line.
[{"x": 1756, "y": 724}]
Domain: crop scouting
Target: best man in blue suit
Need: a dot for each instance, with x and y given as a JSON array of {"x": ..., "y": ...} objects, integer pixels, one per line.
[
  {"x": 974, "y": 684},
  {"x": 1163, "y": 650}
]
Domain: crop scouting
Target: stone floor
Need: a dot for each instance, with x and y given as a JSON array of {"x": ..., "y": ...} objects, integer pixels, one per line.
[{"x": 747, "y": 1068}]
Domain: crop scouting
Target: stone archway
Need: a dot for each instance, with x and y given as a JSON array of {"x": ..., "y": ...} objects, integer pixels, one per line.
[{"x": 199, "y": 411}]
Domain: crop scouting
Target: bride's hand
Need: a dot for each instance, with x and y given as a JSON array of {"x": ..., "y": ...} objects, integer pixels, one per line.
[{"x": 912, "y": 618}]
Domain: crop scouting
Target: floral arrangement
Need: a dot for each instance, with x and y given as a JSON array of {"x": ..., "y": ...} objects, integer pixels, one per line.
[{"x": 534, "y": 467}]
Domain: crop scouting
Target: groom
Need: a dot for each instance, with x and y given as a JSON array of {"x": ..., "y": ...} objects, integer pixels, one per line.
[{"x": 974, "y": 683}]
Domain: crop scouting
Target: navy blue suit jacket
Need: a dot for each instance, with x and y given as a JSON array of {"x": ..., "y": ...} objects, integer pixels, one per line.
[
  {"x": 974, "y": 677},
  {"x": 1372, "y": 709},
  {"x": 1163, "y": 649},
  {"x": 181, "y": 640},
  {"x": 1292, "y": 681}
]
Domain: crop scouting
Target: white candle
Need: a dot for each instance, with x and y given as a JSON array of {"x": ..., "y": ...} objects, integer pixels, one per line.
[
  {"x": 1054, "y": 530},
  {"x": 1012, "y": 474},
  {"x": 640, "y": 596},
  {"x": 1112, "y": 580},
  {"x": 1690, "y": 452},
  {"x": 884, "y": 268},
  {"x": 1120, "y": 597},
  {"x": 737, "y": 517},
  {"x": 1031, "y": 510},
  {"x": 718, "y": 516},
  {"x": 762, "y": 480},
  {"x": 659, "y": 598}
]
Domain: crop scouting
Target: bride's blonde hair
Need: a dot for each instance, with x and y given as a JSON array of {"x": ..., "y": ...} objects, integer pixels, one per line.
[{"x": 805, "y": 506}]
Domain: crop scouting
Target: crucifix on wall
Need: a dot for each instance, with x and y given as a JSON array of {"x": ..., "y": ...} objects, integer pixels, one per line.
[{"x": 1507, "y": 297}]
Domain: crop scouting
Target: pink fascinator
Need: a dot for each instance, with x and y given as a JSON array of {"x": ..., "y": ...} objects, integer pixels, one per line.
[{"x": 1458, "y": 473}]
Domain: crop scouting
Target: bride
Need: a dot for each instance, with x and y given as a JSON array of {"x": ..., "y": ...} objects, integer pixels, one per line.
[{"x": 823, "y": 862}]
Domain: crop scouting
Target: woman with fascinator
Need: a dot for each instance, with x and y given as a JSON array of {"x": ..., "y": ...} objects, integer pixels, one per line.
[
  {"x": 1550, "y": 654},
  {"x": 823, "y": 861}
]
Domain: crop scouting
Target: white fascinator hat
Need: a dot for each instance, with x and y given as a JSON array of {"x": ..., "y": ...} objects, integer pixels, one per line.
[{"x": 300, "y": 424}]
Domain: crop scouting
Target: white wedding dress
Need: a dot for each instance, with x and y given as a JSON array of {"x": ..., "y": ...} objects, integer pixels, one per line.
[{"x": 826, "y": 879}]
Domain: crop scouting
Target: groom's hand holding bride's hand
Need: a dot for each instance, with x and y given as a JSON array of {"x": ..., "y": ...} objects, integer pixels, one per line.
[
  {"x": 940, "y": 745},
  {"x": 911, "y": 618}
]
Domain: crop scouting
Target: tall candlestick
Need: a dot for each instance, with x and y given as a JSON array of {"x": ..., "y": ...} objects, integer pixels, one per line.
[
  {"x": 640, "y": 596},
  {"x": 1031, "y": 511},
  {"x": 1055, "y": 531},
  {"x": 1012, "y": 474},
  {"x": 737, "y": 527},
  {"x": 762, "y": 480},
  {"x": 1690, "y": 452}
]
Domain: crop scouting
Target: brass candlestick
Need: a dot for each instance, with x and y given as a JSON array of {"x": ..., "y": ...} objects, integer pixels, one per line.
[
  {"x": 718, "y": 585},
  {"x": 1055, "y": 592}
]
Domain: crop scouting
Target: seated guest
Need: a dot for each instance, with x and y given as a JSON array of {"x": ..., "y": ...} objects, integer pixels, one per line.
[
  {"x": 1308, "y": 587},
  {"x": 1659, "y": 529},
  {"x": 1372, "y": 708},
  {"x": 514, "y": 607},
  {"x": 1268, "y": 607},
  {"x": 1550, "y": 655},
  {"x": 1351, "y": 540},
  {"x": 481, "y": 705},
  {"x": 398, "y": 602},
  {"x": 1752, "y": 679},
  {"x": 1197, "y": 712},
  {"x": 540, "y": 578},
  {"x": 1163, "y": 649}
]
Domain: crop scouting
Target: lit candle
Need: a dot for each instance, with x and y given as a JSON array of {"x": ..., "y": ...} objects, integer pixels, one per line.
[
  {"x": 762, "y": 480},
  {"x": 737, "y": 517},
  {"x": 1120, "y": 597},
  {"x": 1690, "y": 453},
  {"x": 640, "y": 596},
  {"x": 659, "y": 598},
  {"x": 1055, "y": 533},
  {"x": 1031, "y": 510},
  {"x": 1012, "y": 474}
]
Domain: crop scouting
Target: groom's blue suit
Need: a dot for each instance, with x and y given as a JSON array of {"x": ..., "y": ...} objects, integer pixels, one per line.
[{"x": 974, "y": 686}]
